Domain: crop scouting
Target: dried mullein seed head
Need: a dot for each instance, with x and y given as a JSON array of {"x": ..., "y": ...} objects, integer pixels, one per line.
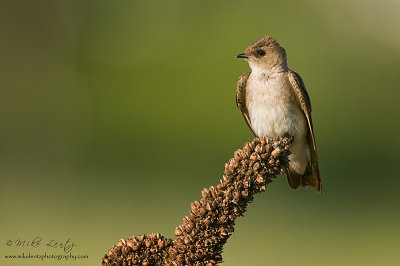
[{"x": 200, "y": 238}]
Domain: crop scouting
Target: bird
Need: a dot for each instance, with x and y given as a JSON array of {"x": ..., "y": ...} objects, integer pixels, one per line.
[{"x": 274, "y": 102}]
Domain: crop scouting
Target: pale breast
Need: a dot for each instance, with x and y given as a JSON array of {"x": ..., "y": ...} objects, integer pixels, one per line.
[{"x": 272, "y": 107}]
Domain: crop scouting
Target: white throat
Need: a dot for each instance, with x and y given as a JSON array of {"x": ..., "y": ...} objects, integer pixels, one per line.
[{"x": 256, "y": 69}]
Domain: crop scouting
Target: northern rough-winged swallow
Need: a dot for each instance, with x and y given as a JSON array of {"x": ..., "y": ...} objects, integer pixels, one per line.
[{"x": 274, "y": 102}]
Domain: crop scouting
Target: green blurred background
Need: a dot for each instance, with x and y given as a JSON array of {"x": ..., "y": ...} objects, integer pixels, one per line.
[{"x": 115, "y": 114}]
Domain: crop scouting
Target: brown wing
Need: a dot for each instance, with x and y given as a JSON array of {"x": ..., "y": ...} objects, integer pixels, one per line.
[
  {"x": 241, "y": 98},
  {"x": 313, "y": 178}
]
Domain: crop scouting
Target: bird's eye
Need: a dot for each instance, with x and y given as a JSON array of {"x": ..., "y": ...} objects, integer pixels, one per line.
[{"x": 261, "y": 52}]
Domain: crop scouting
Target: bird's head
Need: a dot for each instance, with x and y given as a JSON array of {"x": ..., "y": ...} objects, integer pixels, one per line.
[{"x": 265, "y": 55}]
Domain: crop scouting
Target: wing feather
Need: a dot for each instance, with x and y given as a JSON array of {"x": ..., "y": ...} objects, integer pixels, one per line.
[
  {"x": 241, "y": 99},
  {"x": 304, "y": 102}
]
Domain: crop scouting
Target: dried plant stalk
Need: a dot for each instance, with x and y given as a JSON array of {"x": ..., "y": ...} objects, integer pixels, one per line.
[{"x": 200, "y": 238}]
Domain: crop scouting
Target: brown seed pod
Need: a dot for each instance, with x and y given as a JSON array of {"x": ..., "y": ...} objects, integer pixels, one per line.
[
  {"x": 276, "y": 152},
  {"x": 178, "y": 232},
  {"x": 254, "y": 156},
  {"x": 121, "y": 242},
  {"x": 260, "y": 148},
  {"x": 259, "y": 179}
]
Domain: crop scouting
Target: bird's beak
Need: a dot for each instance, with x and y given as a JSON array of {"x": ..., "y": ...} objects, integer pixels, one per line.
[{"x": 242, "y": 55}]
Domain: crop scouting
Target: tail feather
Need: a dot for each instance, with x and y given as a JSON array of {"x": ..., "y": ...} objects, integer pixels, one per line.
[
  {"x": 294, "y": 179},
  {"x": 309, "y": 178},
  {"x": 313, "y": 178}
]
